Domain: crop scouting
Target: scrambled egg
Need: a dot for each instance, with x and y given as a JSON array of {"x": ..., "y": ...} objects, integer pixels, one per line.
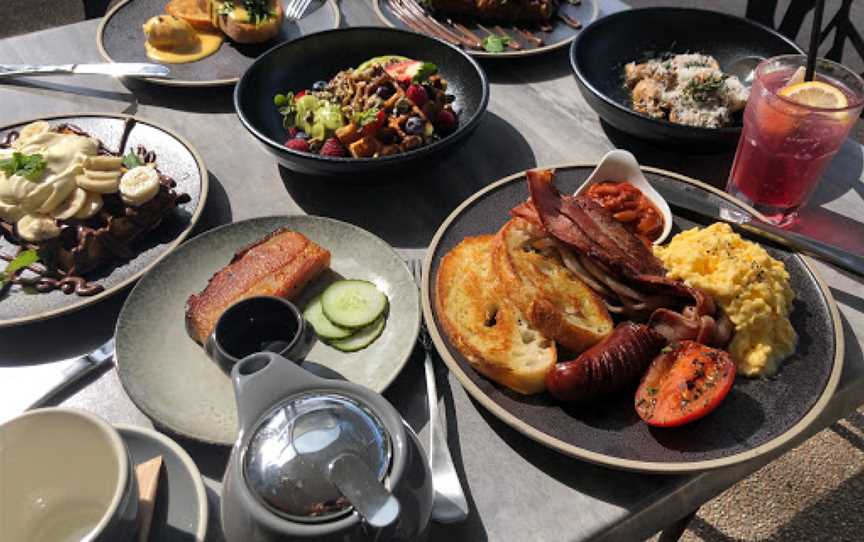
[{"x": 751, "y": 286}]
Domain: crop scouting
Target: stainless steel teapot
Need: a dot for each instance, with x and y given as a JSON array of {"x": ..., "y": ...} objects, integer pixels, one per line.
[{"x": 319, "y": 459}]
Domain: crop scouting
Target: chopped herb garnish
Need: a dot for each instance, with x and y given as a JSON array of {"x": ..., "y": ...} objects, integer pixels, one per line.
[
  {"x": 22, "y": 260},
  {"x": 258, "y": 10},
  {"x": 28, "y": 166},
  {"x": 702, "y": 89},
  {"x": 652, "y": 391},
  {"x": 131, "y": 160},
  {"x": 426, "y": 69},
  {"x": 495, "y": 44}
]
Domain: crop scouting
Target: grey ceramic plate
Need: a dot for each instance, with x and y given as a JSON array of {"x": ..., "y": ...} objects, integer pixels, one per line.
[
  {"x": 175, "y": 157},
  {"x": 560, "y": 35},
  {"x": 758, "y": 416},
  {"x": 169, "y": 376},
  {"x": 180, "y": 514},
  {"x": 120, "y": 39}
]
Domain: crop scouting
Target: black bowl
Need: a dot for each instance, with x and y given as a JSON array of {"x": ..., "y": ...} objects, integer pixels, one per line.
[
  {"x": 603, "y": 48},
  {"x": 296, "y": 65}
]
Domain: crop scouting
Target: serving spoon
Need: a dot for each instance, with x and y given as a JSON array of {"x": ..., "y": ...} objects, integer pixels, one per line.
[{"x": 620, "y": 165}]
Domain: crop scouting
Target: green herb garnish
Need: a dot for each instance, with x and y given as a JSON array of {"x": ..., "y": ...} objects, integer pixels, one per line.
[
  {"x": 28, "y": 166},
  {"x": 702, "y": 89},
  {"x": 495, "y": 44},
  {"x": 652, "y": 391},
  {"x": 366, "y": 117},
  {"x": 259, "y": 10},
  {"x": 131, "y": 160},
  {"x": 426, "y": 69},
  {"x": 287, "y": 108},
  {"x": 22, "y": 260}
]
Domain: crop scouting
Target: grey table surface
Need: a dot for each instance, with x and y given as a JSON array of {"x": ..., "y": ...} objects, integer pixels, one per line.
[{"x": 517, "y": 489}]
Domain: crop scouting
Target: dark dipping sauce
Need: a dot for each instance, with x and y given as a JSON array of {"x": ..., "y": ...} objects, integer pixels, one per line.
[
  {"x": 254, "y": 326},
  {"x": 630, "y": 207}
]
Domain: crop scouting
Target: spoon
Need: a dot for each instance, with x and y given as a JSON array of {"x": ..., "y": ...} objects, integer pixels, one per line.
[
  {"x": 744, "y": 69},
  {"x": 620, "y": 165}
]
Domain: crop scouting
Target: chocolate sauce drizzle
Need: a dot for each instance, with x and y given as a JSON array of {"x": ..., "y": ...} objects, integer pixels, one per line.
[
  {"x": 416, "y": 17},
  {"x": 47, "y": 280}
]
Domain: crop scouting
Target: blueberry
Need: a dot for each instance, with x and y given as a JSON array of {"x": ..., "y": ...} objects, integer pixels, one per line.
[
  {"x": 301, "y": 135},
  {"x": 319, "y": 85},
  {"x": 414, "y": 126},
  {"x": 384, "y": 92}
]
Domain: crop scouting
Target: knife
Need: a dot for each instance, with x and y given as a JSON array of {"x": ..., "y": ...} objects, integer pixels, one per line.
[
  {"x": 116, "y": 69},
  {"x": 75, "y": 371},
  {"x": 696, "y": 201}
]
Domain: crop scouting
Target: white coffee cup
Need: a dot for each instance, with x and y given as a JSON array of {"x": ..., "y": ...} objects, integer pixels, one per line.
[{"x": 65, "y": 475}]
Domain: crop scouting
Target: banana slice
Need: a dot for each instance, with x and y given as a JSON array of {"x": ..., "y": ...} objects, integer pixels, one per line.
[
  {"x": 32, "y": 130},
  {"x": 91, "y": 206},
  {"x": 139, "y": 185},
  {"x": 103, "y": 163},
  {"x": 101, "y": 182},
  {"x": 35, "y": 228},
  {"x": 72, "y": 205}
]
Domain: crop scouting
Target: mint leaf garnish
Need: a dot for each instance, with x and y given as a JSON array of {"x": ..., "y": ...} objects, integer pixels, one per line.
[
  {"x": 22, "y": 260},
  {"x": 424, "y": 71},
  {"x": 131, "y": 160},
  {"x": 495, "y": 44},
  {"x": 28, "y": 166}
]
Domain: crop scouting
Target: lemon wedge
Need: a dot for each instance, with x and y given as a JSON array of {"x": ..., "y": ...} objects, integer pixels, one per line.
[{"x": 815, "y": 94}]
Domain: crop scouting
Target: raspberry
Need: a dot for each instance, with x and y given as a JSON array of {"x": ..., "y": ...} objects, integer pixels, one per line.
[
  {"x": 417, "y": 94},
  {"x": 297, "y": 145},
  {"x": 292, "y": 132},
  {"x": 446, "y": 121},
  {"x": 332, "y": 147}
]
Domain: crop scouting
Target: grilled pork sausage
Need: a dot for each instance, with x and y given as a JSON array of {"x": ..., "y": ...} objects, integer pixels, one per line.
[{"x": 607, "y": 367}]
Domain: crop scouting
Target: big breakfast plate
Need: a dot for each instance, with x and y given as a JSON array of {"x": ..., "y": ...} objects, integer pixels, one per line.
[
  {"x": 169, "y": 376},
  {"x": 175, "y": 157},
  {"x": 758, "y": 416}
]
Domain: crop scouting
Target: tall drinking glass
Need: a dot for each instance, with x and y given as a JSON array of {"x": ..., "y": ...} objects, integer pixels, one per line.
[{"x": 792, "y": 129}]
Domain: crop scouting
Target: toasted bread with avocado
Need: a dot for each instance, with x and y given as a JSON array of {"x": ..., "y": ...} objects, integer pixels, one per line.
[
  {"x": 194, "y": 12},
  {"x": 533, "y": 277},
  {"x": 248, "y": 21},
  {"x": 486, "y": 327}
]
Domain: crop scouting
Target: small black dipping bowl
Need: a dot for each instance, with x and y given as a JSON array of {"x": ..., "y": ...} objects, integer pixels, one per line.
[
  {"x": 296, "y": 65},
  {"x": 601, "y": 50}
]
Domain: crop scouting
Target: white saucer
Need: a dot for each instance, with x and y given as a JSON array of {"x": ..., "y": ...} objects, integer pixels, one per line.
[{"x": 181, "y": 502}]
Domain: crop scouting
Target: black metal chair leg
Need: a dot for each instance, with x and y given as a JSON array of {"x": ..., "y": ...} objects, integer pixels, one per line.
[{"x": 673, "y": 532}]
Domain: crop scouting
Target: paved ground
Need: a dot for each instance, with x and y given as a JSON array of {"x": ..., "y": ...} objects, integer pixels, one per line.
[{"x": 812, "y": 493}]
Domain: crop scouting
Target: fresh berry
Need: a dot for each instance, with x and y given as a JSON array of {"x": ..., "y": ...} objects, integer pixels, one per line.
[
  {"x": 445, "y": 121},
  {"x": 299, "y": 95},
  {"x": 319, "y": 85},
  {"x": 414, "y": 126},
  {"x": 300, "y": 134},
  {"x": 417, "y": 94},
  {"x": 384, "y": 91},
  {"x": 332, "y": 147},
  {"x": 297, "y": 145},
  {"x": 292, "y": 132}
]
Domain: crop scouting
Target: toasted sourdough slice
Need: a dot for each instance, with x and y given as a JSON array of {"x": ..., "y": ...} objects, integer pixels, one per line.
[
  {"x": 280, "y": 264},
  {"x": 194, "y": 12},
  {"x": 486, "y": 328},
  {"x": 555, "y": 301}
]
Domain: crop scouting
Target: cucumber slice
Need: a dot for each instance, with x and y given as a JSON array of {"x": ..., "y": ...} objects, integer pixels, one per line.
[
  {"x": 363, "y": 338},
  {"x": 353, "y": 303},
  {"x": 323, "y": 327}
]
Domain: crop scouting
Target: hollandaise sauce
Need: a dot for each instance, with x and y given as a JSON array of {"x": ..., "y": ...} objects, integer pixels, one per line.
[{"x": 173, "y": 41}]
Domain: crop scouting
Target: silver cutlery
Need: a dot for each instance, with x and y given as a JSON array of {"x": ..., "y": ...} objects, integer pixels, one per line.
[
  {"x": 295, "y": 9},
  {"x": 694, "y": 200},
  {"x": 449, "y": 504},
  {"x": 115, "y": 69},
  {"x": 75, "y": 372}
]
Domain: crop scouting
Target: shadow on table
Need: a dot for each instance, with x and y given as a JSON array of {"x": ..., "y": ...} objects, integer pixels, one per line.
[
  {"x": 406, "y": 206},
  {"x": 531, "y": 69},
  {"x": 710, "y": 168},
  {"x": 217, "y": 209},
  {"x": 194, "y": 99},
  {"x": 408, "y": 395}
]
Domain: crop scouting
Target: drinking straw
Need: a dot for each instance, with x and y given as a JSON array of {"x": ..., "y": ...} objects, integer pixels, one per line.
[{"x": 815, "y": 33}]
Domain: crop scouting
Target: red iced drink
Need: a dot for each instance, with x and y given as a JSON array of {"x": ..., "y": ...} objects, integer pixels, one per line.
[{"x": 792, "y": 129}]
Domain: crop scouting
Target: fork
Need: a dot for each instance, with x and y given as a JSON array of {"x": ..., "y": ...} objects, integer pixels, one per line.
[
  {"x": 295, "y": 9},
  {"x": 449, "y": 504}
]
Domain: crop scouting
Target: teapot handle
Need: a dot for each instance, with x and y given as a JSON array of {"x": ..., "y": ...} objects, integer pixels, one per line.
[{"x": 261, "y": 379}]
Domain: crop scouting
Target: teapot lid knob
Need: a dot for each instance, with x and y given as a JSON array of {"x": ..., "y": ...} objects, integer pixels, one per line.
[{"x": 286, "y": 463}]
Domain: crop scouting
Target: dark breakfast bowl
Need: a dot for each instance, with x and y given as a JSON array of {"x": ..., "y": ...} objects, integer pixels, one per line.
[
  {"x": 296, "y": 65},
  {"x": 601, "y": 50}
]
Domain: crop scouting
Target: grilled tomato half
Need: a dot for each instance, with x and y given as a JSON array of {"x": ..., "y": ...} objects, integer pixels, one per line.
[{"x": 684, "y": 383}]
